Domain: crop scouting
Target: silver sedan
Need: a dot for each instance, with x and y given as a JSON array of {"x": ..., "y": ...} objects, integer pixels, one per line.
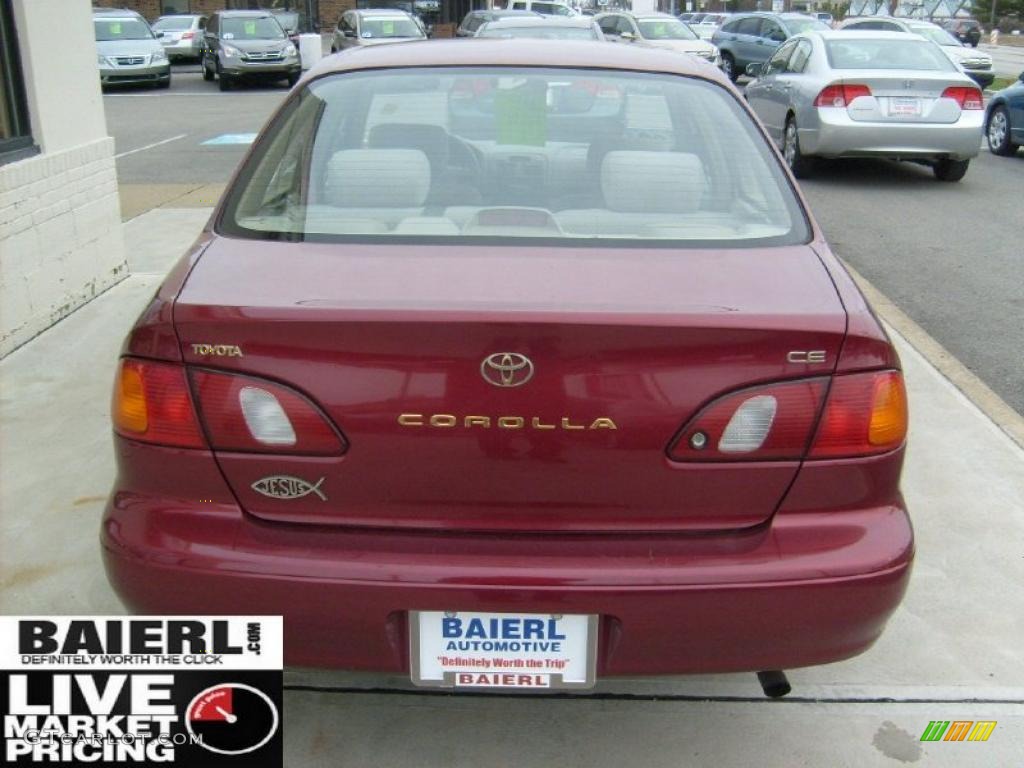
[{"x": 868, "y": 94}]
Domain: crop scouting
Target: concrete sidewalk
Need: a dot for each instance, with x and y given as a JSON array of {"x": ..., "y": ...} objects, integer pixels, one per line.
[{"x": 952, "y": 652}]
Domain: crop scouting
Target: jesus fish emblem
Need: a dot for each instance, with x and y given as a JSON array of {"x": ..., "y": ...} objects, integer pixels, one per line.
[{"x": 287, "y": 487}]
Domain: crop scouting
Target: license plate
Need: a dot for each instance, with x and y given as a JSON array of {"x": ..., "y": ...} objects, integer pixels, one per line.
[
  {"x": 526, "y": 651},
  {"x": 905, "y": 107}
]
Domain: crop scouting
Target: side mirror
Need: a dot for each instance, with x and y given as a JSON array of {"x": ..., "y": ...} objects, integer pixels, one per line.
[
  {"x": 627, "y": 36},
  {"x": 158, "y": 34},
  {"x": 349, "y": 33},
  {"x": 754, "y": 69}
]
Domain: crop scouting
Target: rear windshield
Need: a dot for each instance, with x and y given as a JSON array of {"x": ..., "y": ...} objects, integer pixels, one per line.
[
  {"x": 539, "y": 31},
  {"x": 858, "y": 53},
  {"x": 121, "y": 29},
  {"x": 799, "y": 26},
  {"x": 174, "y": 22},
  {"x": 495, "y": 154},
  {"x": 665, "y": 29},
  {"x": 251, "y": 28}
]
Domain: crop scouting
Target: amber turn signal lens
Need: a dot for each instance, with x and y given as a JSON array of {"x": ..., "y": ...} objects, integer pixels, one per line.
[
  {"x": 130, "y": 399},
  {"x": 888, "y": 424}
]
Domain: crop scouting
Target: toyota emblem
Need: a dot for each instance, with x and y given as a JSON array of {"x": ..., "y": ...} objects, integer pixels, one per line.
[{"x": 506, "y": 369}]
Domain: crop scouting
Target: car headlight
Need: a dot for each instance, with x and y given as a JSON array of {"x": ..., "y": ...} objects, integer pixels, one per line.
[
  {"x": 159, "y": 56},
  {"x": 102, "y": 60},
  {"x": 230, "y": 51},
  {"x": 289, "y": 50}
]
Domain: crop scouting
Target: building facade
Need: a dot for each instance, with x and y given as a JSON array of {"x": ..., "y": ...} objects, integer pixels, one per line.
[{"x": 60, "y": 223}]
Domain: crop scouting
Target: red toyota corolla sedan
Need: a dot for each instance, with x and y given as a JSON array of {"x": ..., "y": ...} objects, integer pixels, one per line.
[{"x": 513, "y": 364}]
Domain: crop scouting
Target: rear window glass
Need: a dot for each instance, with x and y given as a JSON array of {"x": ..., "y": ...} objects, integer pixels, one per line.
[
  {"x": 799, "y": 26},
  {"x": 501, "y": 154},
  {"x": 175, "y": 22},
  {"x": 665, "y": 29},
  {"x": 856, "y": 53}
]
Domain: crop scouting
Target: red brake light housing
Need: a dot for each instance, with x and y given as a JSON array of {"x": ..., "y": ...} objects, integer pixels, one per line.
[
  {"x": 840, "y": 94},
  {"x": 860, "y": 414},
  {"x": 154, "y": 403},
  {"x": 966, "y": 96}
]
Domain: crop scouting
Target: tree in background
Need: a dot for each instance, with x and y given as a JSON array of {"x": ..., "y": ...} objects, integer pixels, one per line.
[{"x": 1009, "y": 12}]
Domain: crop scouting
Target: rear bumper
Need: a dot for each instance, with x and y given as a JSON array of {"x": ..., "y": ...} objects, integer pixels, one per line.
[
  {"x": 808, "y": 588},
  {"x": 836, "y": 135}
]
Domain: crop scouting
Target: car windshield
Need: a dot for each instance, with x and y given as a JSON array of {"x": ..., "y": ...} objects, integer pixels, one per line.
[
  {"x": 665, "y": 29},
  {"x": 250, "y": 28},
  {"x": 540, "y": 31},
  {"x": 173, "y": 22},
  {"x": 936, "y": 35},
  {"x": 121, "y": 29},
  {"x": 798, "y": 26},
  {"x": 860, "y": 53},
  {"x": 503, "y": 153},
  {"x": 373, "y": 27}
]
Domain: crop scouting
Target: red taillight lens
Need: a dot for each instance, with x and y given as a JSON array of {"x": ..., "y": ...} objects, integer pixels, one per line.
[
  {"x": 768, "y": 422},
  {"x": 966, "y": 96},
  {"x": 188, "y": 35},
  {"x": 152, "y": 404},
  {"x": 840, "y": 94},
  {"x": 248, "y": 414},
  {"x": 866, "y": 413}
]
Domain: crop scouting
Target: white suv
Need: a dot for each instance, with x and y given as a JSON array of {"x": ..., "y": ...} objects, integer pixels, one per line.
[{"x": 543, "y": 7}]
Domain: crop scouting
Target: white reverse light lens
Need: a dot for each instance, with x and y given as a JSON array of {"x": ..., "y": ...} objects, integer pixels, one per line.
[
  {"x": 265, "y": 417},
  {"x": 749, "y": 426}
]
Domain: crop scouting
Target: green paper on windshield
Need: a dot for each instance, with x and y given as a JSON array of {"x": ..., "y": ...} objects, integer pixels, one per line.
[
  {"x": 659, "y": 30},
  {"x": 388, "y": 27},
  {"x": 115, "y": 28},
  {"x": 250, "y": 27},
  {"x": 522, "y": 116}
]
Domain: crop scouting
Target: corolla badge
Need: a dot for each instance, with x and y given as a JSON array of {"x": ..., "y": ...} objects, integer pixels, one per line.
[
  {"x": 506, "y": 369},
  {"x": 287, "y": 487}
]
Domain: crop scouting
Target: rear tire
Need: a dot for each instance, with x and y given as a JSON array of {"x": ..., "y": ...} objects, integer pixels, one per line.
[
  {"x": 997, "y": 133},
  {"x": 950, "y": 170},
  {"x": 729, "y": 67},
  {"x": 798, "y": 163}
]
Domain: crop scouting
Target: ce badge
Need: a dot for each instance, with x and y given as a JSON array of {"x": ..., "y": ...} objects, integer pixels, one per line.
[
  {"x": 232, "y": 719},
  {"x": 506, "y": 369}
]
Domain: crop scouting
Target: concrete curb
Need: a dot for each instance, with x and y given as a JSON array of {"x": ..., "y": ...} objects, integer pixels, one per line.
[{"x": 976, "y": 391}]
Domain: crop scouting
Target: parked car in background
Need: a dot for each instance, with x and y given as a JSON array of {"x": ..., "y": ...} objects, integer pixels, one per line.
[
  {"x": 706, "y": 27},
  {"x": 289, "y": 21},
  {"x": 128, "y": 51},
  {"x": 868, "y": 94},
  {"x": 967, "y": 31},
  {"x": 1004, "y": 121},
  {"x": 686, "y": 17},
  {"x": 977, "y": 64},
  {"x": 751, "y": 38},
  {"x": 543, "y": 7},
  {"x": 515, "y": 374},
  {"x": 544, "y": 28},
  {"x": 473, "y": 20},
  {"x": 656, "y": 30},
  {"x": 182, "y": 35},
  {"x": 375, "y": 26},
  {"x": 824, "y": 18},
  {"x": 248, "y": 45}
]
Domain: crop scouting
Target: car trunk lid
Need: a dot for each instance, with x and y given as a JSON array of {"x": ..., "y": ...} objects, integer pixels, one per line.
[{"x": 625, "y": 344}]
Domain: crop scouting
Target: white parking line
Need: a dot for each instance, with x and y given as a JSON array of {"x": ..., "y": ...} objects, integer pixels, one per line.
[{"x": 150, "y": 146}]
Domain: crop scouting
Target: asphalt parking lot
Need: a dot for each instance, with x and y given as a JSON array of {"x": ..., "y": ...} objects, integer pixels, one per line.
[{"x": 947, "y": 255}]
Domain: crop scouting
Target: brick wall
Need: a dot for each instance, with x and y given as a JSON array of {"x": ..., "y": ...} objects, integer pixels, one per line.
[
  {"x": 60, "y": 233},
  {"x": 148, "y": 8}
]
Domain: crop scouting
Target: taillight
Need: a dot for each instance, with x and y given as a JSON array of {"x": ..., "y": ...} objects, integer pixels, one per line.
[
  {"x": 966, "y": 96},
  {"x": 866, "y": 413},
  {"x": 188, "y": 35},
  {"x": 152, "y": 404},
  {"x": 840, "y": 94},
  {"x": 768, "y": 422},
  {"x": 248, "y": 414}
]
